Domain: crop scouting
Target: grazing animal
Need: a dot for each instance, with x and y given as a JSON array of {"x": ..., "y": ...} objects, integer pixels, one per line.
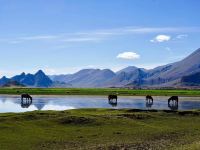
[
  {"x": 173, "y": 99},
  {"x": 110, "y": 97},
  {"x": 26, "y": 96},
  {"x": 149, "y": 98}
]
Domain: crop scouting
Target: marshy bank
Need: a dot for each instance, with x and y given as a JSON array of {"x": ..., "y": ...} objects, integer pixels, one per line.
[{"x": 100, "y": 129}]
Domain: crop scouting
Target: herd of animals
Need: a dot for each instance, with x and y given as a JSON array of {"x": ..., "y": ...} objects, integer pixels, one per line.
[
  {"x": 172, "y": 101},
  {"x": 112, "y": 100}
]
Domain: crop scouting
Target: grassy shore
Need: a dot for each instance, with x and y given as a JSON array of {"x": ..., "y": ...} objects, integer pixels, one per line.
[
  {"x": 100, "y": 129},
  {"x": 97, "y": 91}
]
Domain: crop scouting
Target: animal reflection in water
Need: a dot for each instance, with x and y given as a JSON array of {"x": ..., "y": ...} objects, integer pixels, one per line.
[
  {"x": 26, "y": 100},
  {"x": 173, "y": 103},
  {"x": 112, "y": 100},
  {"x": 149, "y": 104},
  {"x": 173, "y": 99},
  {"x": 149, "y": 101}
]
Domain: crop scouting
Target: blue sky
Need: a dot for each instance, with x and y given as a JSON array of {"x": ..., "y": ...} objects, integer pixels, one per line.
[{"x": 65, "y": 36}]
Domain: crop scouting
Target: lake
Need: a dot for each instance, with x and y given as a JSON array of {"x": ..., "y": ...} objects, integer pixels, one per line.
[{"x": 12, "y": 103}]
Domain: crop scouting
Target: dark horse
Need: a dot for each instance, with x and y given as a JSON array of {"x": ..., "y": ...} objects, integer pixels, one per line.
[
  {"x": 26, "y": 96},
  {"x": 112, "y": 100},
  {"x": 174, "y": 104},
  {"x": 110, "y": 97},
  {"x": 174, "y": 99},
  {"x": 149, "y": 98},
  {"x": 149, "y": 101}
]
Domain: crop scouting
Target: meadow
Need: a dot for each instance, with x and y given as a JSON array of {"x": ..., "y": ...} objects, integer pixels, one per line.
[
  {"x": 100, "y": 129},
  {"x": 99, "y": 91}
]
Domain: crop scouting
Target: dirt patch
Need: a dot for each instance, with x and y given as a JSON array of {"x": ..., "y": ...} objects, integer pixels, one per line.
[
  {"x": 136, "y": 116},
  {"x": 77, "y": 120},
  {"x": 193, "y": 113},
  {"x": 30, "y": 117},
  {"x": 170, "y": 111},
  {"x": 162, "y": 142},
  {"x": 58, "y": 145},
  {"x": 2, "y": 119}
]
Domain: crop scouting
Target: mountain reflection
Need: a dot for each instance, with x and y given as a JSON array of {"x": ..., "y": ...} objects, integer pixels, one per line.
[{"x": 11, "y": 103}]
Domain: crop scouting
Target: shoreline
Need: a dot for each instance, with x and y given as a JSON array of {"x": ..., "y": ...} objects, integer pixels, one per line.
[
  {"x": 142, "y": 97},
  {"x": 98, "y": 92}
]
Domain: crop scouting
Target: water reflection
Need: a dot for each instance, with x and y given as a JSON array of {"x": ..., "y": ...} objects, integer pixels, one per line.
[
  {"x": 39, "y": 103},
  {"x": 10, "y": 103},
  {"x": 26, "y": 103},
  {"x": 149, "y": 104},
  {"x": 173, "y": 106},
  {"x": 112, "y": 102}
]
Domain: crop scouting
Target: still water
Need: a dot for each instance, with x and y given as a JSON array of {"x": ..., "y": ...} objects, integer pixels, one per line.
[{"x": 11, "y": 103}]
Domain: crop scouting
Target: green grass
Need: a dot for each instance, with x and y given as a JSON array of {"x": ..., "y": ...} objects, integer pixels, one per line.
[
  {"x": 100, "y": 129},
  {"x": 97, "y": 91}
]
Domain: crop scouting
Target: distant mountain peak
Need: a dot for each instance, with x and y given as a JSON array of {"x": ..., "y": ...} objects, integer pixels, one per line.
[
  {"x": 198, "y": 50},
  {"x": 127, "y": 69},
  {"x": 194, "y": 54},
  {"x": 106, "y": 70},
  {"x": 42, "y": 80},
  {"x": 39, "y": 72},
  {"x": 39, "y": 79},
  {"x": 132, "y": 67},
  {"x": 23, "y": 74},
  {"x": 4, "y": 80},
  {"x": 4, "y": 77}
]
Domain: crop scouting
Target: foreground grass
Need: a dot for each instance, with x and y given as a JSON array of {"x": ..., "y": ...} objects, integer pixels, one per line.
[
  {"x": 100, "y": 129},
  {"x": 97, "y": 91}
]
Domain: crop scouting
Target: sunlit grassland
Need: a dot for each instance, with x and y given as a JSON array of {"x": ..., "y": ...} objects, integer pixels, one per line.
[{"x": 97, "y": 91}]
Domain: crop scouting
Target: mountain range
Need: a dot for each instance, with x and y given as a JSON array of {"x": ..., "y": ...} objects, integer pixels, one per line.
[
  {"x": 184, "y": 73},
  {"x": 39, "y": 79},
  {"x": 178, "y": 74}
]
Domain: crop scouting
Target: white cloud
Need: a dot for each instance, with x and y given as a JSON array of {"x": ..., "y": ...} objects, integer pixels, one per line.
[
  {"x": 128, "y": 55},
  {"x": 161, "y": 38},
  {"x": 103, "y": 34},
  {"x": 39, "y": 37},
  {"x": 81, "y": 39},
  {"x": 181, "y": 36},
  {"x": 140, "y": 30}
]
